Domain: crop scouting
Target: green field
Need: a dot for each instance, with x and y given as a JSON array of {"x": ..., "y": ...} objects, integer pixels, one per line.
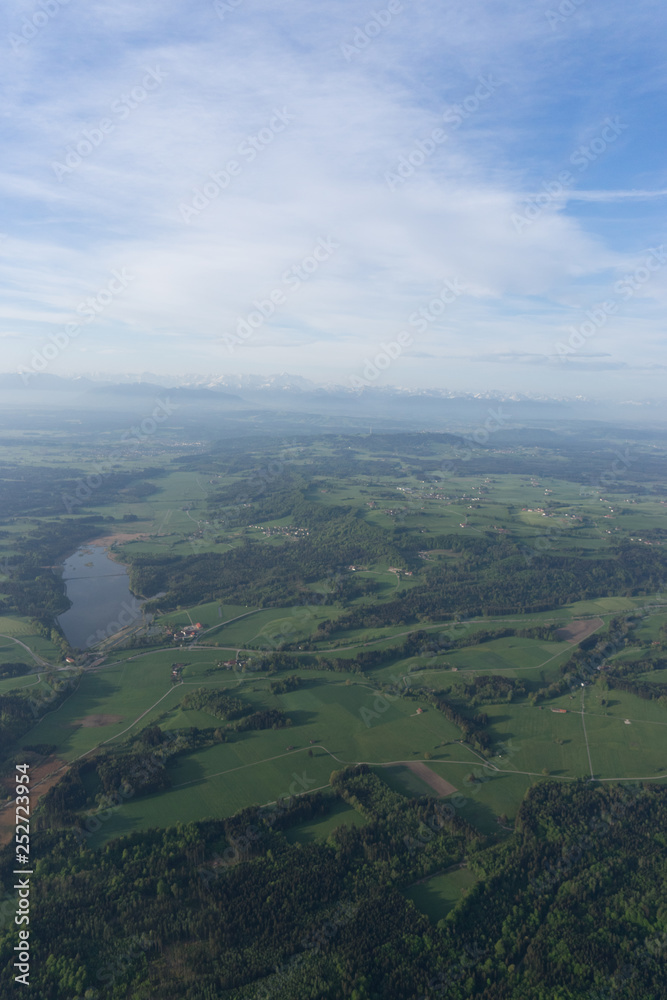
[
  {"x": 210, "y": 615},
  {"x": 439, "y": 894},
  {"x": 16, "y": 683},
  {"x": 12, "y": 652},
  {"x": 126, "y": 690},
  {"x": 213, "y": 784},
  {"x": 341, "y": 814},
  {"x": 267, "y": 629},
  {"x": 350, "y": 720},
  {"x": 15, "y": 626}
]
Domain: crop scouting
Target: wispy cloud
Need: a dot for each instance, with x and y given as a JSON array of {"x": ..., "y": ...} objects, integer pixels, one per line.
[
  {"x": 575, "y": 195},
  {"x": 222, "y": 81}
]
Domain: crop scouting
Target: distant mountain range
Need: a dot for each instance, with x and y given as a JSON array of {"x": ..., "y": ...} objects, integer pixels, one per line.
[
  {"x": 429, "y": 408},
  {"x": 282, "y": 382}
]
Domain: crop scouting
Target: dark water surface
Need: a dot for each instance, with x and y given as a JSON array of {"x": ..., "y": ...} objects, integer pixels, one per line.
[{"x": 99, "y": 590}]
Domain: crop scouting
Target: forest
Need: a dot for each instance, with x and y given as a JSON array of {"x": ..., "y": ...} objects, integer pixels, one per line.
[{"x": 231, "y": 909}]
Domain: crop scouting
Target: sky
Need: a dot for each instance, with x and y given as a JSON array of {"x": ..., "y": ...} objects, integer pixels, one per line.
[{"x": 467, "y": 195}]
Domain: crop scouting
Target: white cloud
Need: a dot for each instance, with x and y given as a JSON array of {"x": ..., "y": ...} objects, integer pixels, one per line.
[{"x": 323, "y": 174}]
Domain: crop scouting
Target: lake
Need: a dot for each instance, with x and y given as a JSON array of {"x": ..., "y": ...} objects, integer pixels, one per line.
[{"x": 99, "y": 590}]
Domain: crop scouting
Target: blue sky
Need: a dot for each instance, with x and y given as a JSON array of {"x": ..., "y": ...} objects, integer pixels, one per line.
[{"x": 246, "y": 187}]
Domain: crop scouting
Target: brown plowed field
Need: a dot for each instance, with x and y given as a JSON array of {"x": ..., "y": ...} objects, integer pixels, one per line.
[
  {"x": 578, "y": 630},
  {"x": 430, "y": 778},
  {"x": 47, "y": 773},
  {"x": 92, "y": 721}
]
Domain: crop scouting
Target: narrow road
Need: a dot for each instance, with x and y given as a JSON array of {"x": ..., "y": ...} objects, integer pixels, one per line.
[
  {"x": 583, "y": 723},
  {"x": 38, "y": 659},
  {"x": 97, "y": 745},
  {"x": 132, "y": 724}
]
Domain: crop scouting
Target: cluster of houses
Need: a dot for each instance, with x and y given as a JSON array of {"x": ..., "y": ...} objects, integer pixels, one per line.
[
  {"x": 286, "y": 530},
  {"x": 185, "y": 634}
]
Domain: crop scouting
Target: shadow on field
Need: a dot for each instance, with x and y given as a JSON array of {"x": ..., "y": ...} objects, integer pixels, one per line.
[
  {"x": 478, "y": 815},
  {"x": 310, "y": 682},
  {"x": 300, "y": 717},
  {"x": 184, "y": 770}
]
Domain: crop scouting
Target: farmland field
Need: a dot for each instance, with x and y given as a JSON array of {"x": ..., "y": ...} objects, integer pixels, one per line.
[{"x": 363, "y": 694}]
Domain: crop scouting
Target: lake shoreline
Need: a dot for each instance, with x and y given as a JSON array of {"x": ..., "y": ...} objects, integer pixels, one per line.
[
  {"x": 97, "y": 585},
  {"x": 106, "y": 541}
]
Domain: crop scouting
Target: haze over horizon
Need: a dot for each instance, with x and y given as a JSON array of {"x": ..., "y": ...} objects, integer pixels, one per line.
[{"x": 475, "y": 195}]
